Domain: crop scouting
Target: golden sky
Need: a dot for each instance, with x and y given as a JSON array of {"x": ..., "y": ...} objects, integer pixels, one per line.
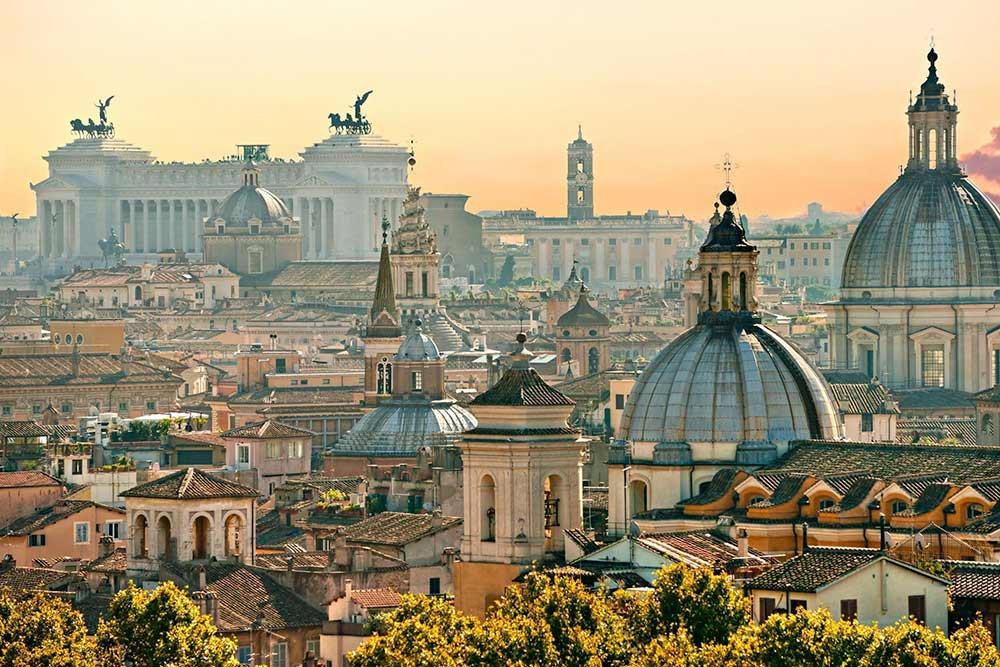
[{"x": 808, "y": 97}]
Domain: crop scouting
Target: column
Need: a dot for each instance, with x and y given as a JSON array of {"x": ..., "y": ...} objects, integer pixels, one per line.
[
  {"x": 625, "y": 272},
  {"x": 43, "y": 226},
  {"x": 199, "y": 222},
  {"x": 67, "y": 229},
  {"x": 323, "y": 249},
  {"x": 162, "y": 239},
  {"x": 653, "y": 277},
  {"x": 128, "y": 232},
  {"x": 331, "y": 221}
]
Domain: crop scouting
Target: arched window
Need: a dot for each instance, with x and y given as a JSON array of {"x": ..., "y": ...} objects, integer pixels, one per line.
[
  {"x": 711, "y": 291},
  {"x": 138, "y": 293},
  {"x": 234, "y": 535},
  {"x": 987, "y": 424},
  {"x": 727, "y": 294},
  {"x": 567, "y": 355},
  {"x": 585, "y": 274},
  {"x": 593, "y": 360},
  {"x": 139, "y": 549},
  {"x": 164, "y": 539},
  {"x": 754, "y": 500},
  {"x": 200, "y": 530},
  {"x": 487, "y": 505},
  {"x": 744, "y": 295},
  {"x": 827, "y": 503},
  {"x": 973, "y": 511},
  {"x": 898, "y": 506},
  {"x": 932, "y": 149},
  {"x": 384, "y": 377},
  {"x": 638, "y": 498}
]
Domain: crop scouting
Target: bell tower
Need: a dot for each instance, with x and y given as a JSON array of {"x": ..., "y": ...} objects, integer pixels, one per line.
[
  {"x": 580, "y": 178},
  {"x": 933, "y": 119},
  {"x": 728, "y": 267}
]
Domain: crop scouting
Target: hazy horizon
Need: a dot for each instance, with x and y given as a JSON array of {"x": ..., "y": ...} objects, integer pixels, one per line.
[{"x": 809, "y": 100}]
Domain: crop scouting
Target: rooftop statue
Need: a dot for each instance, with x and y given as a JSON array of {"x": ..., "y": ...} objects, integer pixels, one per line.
[
  {"x": 104, "y": 129},
  {"x": 348, "y": 125}
]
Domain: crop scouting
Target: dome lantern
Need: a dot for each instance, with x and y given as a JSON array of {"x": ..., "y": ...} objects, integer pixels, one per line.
[{"x": 933, "y": 120}]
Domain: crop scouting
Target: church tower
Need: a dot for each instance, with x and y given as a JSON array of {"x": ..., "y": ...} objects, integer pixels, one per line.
[
  {"x": 932, "y": 122},
  {"x": 580, "y": 179},
  {"x": 383, "y": 333},
  {"x": 728, "y": 267},
  {"x": 415, "y": 262},
  {"x": 523, "y": 480}
]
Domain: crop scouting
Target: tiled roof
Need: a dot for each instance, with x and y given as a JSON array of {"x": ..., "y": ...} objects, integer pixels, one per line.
[
  {"x": 197, "y": 437},
  {"x": 785, "y": 491},
  {"x": 48, "y": 515},
  {"x": 346, "y": 276},
  {"x": 300, "y": 560},
  {"x": 23, "y": 582},
  {"x": 57, "y": 369},
  {"x": 928, "y": 500},
  {"x": 21, "y": 429},
  {"x": 866, "y": 398},
  {"x": 916, "y": 483},
  {"x": 396, "y": 528},
  {"x": 267, "y": 430},
  {"x": 961, "y": 428},
  {"x": 717, "y": 487},
  {"x": 243, "y": 592},
  {"x": 581, "y": 539},
  {"x": 115, "y": 562},
  {"x": 855, "y": 495},
  {"x": 318, "y": 395},
  {"x": 594, "y": 385},
  {"x": 809, "y": 572},
  {"x": 889, "y": 461},
  {"x": 376, "y": 598},
  {"x": 583, "y": 315},
  {"x": 990, "y": 488},
  {"x": 933, "y": 398},
  {"x": 27, "y": 478},
  {"x": 346, "y": 485},
  {"x": 521, "y": 387},
  {"x": 188, "y": 484},
  {"x": 698, "y": 548},
  {"x": 279, "y": 535},
  {"x": 973, "y": 580}
]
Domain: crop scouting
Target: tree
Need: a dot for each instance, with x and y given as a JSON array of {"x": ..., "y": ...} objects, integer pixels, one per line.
[
  {"x": 42, "y": 631},
  {"x": 506, "y": 272},
  {"x": 162, "y": 627},
  {"x": 705, "y": 603},
  {"x": 421, "y": 632}
]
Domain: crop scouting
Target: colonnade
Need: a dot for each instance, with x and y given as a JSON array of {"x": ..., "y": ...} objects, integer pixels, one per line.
[
  {"x": 59, "y": 228},
  {"x": 152, "y": 225}
]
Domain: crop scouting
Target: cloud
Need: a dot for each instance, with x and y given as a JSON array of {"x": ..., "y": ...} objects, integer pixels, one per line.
[{"x": 985, "y": 162}]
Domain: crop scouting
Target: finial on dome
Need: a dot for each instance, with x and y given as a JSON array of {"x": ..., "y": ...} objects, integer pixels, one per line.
[
  {"x": 932, "y": 55},
  {"x": 728, "y": 198},
  {"x": 418, "y": 324},
  {"x": 579, "y": 132},
  {"x": 385, "y": 230}
]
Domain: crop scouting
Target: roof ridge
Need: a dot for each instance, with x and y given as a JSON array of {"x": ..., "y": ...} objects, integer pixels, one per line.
[{"x": 187, "y": 480}]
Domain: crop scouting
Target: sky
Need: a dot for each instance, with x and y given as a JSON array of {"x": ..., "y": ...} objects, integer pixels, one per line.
[{"x": 807, "y": 97}]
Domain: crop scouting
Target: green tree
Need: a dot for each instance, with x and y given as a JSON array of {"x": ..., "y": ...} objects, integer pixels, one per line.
[
  {"x": 42, "y": 631},
  {"x": 705, "y": 603},
  {"x": 421, "y": 632},
  {"x": 506, "y": 272},
  {"x": 161, "y": 627},
  {"x": 810, "y": 638}
]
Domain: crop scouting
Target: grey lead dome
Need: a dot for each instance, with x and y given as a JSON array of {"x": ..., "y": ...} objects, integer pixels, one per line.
[
  {"x": 928, "y": 229},
  {"x": 250, "y": 203}
]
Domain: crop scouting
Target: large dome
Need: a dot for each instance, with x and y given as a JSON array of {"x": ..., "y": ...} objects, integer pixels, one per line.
[
  {"x": 250, "y": 203},
  {"x": 930, "y": 228},
  {"x": 730, "y": 384}
]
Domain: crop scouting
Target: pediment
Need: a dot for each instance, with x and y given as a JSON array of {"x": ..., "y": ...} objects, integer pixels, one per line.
[
  {"x": 863, "y": 333},
  {"x": 55, "y": 183},
  {"x": 931, "y": 333},
  {"x": 312, "y": 179}
]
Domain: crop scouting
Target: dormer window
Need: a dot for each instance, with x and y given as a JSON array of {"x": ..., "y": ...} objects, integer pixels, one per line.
[
  {"x": 254, "y": 227},
  {"x": 220, "y": 228}
]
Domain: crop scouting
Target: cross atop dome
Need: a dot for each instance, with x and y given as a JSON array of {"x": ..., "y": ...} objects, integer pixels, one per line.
[{"x": 932, "y": 124}]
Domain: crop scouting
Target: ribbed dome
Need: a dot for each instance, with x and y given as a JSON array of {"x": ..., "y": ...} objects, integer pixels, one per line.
[
  {"x": 929, "y": 229},
  {"x": 583, "y": 314},
  {"x": 418, "y": 346},
  {"x": 251, "y": 202},
  {"x": 730, "y": 384},
  {"x": 401, "y": 427}
]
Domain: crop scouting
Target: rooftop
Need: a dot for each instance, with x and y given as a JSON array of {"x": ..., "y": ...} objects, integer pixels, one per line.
[{"x": 188, "y": 484}]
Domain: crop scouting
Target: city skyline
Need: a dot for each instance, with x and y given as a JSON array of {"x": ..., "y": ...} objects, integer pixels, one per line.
[{"x": 795, "y": 94}]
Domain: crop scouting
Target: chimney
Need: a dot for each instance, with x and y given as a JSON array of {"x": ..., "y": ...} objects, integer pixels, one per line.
[
  {"x": 341, "y": 553},
  {"x": 105, "y": 546},
  {"x": 212, "y": 606},
  {"x": 742, "y": 543},
  {"x": 8, "y": 563},
  {"x": 881, "y": 532},
  {"x": 436, "y": 519},
  {"x": 805, "y": 538},
  {"x": 202, "y": 578}
]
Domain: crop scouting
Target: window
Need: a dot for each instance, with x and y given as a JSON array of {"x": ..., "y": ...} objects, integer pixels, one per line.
[
  {"x": 384, "y": 377},
  {"x": 36, "y": 540},
  {"x": 255, "y": 262},
  {"x": 66, "y": 408},
  {"x": 279, "y": 655},
  {"x": 826, "y": 261},
  {"x": 791, "y": 246},
  {"x": 280, "y": 366},
  {"x": 932, "y": 366},
  {"x": 579, "y": 166},
  {"x": 973, "y": 511},
  {"x": 79, "y": 339},
  {"x": 619, "y": 401},
  {"x": 636, "y": 241},
  {"x": 555, "y": 241},
  {"x": 151, "y": 406},
  {"x": 312, "y": 645},
  {"x": 7, "y": 411},
  {"x": 77, "y": 466},
  {"x": 613, "y": 242},
  {"x": 254, "y": 228},
  {"x": 122, "y": 407},
  {"x": 795, "y": 605},
  {"x": 444, "y": 231},
  {"x": 556, "y": 273},
  {"x": 612, "y": 272},
  {"x": 434, "y": 587},
  {"x": 295, "y": 450},
  {"x": 867, "y": 423},
  {"x": 273, "y": 450},
  {"x": 668, "y": 241},
  {"x": 113, "y": 529},
  {"x": 898, "y": 506},
  {"x": 81, "y": 532},
  {"x": 638, "y": 272},
  {"x": 57, "y": 339},
  {"x": 243, "y": 454},
  {"x": 584, "y": 241},
  {"x": 791, "y": 261},
  {"x": 917, "y": 608},
  {"x": 766, "y": 606},
  {"x": 827, "y": 503},
  {"x": 409, "y": 283},
  {"x": 580, "y": 195},
  {"x": 848, "y": 610},
  {"x": 36, "y": 409},
  {"x": 243, "y": 655},
  {"x": 424, "y": 284},
  {"x": 416, "y": 380}
]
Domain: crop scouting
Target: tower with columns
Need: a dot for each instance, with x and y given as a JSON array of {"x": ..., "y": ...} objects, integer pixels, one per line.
[
  {"x": 580, "y": 178},
  {"x": 415, "y": 261},
  {"x": 383, "y": 334},
  {"x": 523, "y": 479},
  {"x": 933, "y": 120}
]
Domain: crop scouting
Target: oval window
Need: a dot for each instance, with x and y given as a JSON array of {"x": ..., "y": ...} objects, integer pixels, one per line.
[
  {"x": 79, "y": 339},
  {"x": 57, "y": 339},
  {"x": 565, "y": 332},
  {"x": 593, "y": 332}
]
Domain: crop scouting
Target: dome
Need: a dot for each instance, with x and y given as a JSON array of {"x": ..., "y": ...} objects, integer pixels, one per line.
[
  {"x": 418, "y": 346},
  {"x": 401, "y": 427},
  {"x": 249, "y": 202},
  {"x": 252, "y": 202},
  {"x": 583, "y": 314},
  {"x": 729, "y": 384},
  {"x": 930, "y": 228}
]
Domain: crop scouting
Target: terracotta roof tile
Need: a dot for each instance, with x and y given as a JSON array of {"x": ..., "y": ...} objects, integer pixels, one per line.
[
  {"x": 24, "y": 582},
  {"x": 396, "y": 528},
  {"x": 265, "y": 430},
  {"x": 521, "y": 387},
  {"x": 813, "y": 570},
  {"x": 377, "y": 598},
  {"x": 972, "y": 580},
  {"x": 188, "y": 484},
  {"x": 27, "y": 478},
  {"x": 48, "y": 516}
]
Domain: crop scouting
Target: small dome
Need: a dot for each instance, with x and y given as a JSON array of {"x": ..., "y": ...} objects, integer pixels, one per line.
[
  {"x": 742, "y": 385},
  {"x": 401, "y": 428},
  {"x": 250, "y": 203},
  {"x": 928, "y": 229},
  {"x": 418, "y": 346},
  {"x": 583, "y": 315}
]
